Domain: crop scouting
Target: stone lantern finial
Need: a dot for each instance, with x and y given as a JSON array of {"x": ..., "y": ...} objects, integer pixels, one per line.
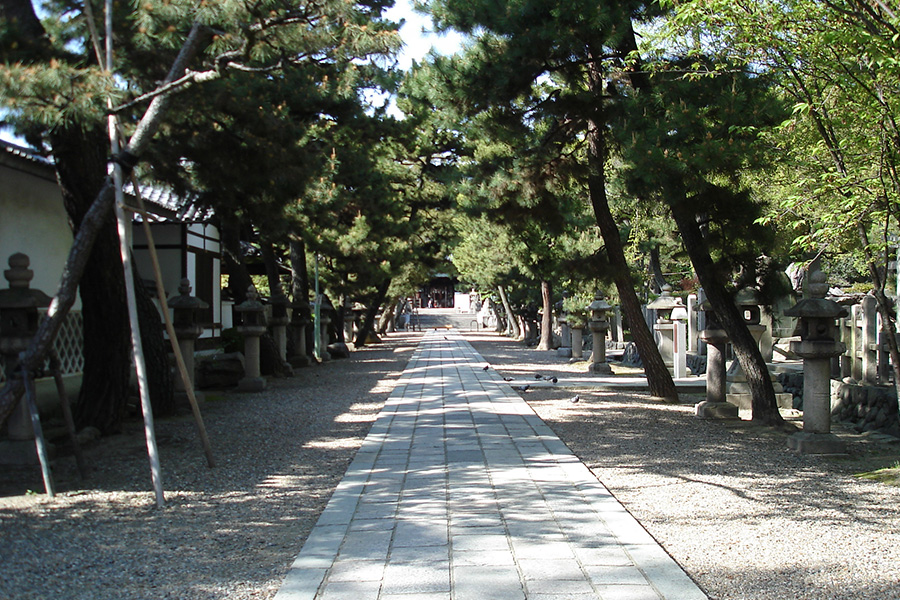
[
  {"x": 19, "y": 275},
  {"x": 816, "y": 285},
  {"x": 184, "y": 287}
]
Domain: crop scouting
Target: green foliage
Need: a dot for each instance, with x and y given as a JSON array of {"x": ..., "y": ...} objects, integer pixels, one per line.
[{"x": 836, "y": 188}]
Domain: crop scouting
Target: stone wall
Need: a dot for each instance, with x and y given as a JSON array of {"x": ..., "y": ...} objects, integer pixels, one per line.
[{"x": 867, "y": 407}]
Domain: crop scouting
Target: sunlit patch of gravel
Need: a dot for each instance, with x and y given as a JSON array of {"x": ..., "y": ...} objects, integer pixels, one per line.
[
  {"x": 228, "y": 532},
  {"x": 745, "y": 517}
]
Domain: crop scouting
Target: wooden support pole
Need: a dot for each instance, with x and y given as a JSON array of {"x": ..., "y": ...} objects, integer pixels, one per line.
[
  {"x": 125, "y": 251},
  {"x": 67, "y": 413},
  {"x": 39, "y": 442},
  {"x": 137, "y": 345},
  {"x": 170, "y": 329}
]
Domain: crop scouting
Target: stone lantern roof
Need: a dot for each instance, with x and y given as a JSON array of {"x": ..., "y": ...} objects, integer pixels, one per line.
[{"x": 665, "y": 301}]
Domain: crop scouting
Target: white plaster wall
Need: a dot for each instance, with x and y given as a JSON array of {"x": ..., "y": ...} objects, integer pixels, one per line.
[{"x": 33, "y": 220}]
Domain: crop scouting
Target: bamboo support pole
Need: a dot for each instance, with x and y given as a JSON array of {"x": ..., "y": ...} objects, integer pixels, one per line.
[
  {"x": 170, "y": 329},
  {"x": 67, "y": 413},
  {"x": 39, "y": 442},
  {"x": 137, "y": 345},
  {"x": 125, "y": 251}
]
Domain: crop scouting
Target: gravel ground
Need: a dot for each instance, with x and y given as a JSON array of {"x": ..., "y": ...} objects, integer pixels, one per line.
[
  {"x": 746, "y": 518},
  {"x": 228, "y": 532}
]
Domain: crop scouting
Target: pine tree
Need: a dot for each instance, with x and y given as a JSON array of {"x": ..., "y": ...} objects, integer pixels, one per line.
[{"x": 53, "y": 84}]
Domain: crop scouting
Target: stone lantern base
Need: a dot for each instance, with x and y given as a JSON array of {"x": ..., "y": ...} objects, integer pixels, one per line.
[
  {"x": 806, "y": 442},
  {"x": 709, "y": 409},
  {"x": 600, "y": 368}
]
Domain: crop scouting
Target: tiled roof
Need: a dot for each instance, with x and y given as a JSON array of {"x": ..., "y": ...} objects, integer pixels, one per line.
[
  {"x": 168, "y": 206},
  {"x": 22, "y": 152},
  {"x": 163, "y": 202}
]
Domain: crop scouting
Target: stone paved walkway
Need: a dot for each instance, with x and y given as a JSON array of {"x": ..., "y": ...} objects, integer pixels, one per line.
[{"x": 460, "y": 492}]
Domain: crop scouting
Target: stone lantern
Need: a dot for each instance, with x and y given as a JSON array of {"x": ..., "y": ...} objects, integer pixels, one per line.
[
  {"x": 817, "y": 346},
  {"x": 565, "y": 335},
  {"x": 576, "y": 330},
  {"x": 326, "y": 310},
  {"x": 664, "y": 305},
  {"x": 252, "y": 327},
  {"x": 599, "y": 326},
  {"x": 184, "y": 310},
  {"x": 19, "y": 320},
  {"x": 715, "y": 406},
  {"x": 749, "y": 304},
  {"x": 279, "y": 322},
  {"x": 299, "y": 322},
  {"x": 679, "y": 318},
  {"x": 349, "y": 321}
]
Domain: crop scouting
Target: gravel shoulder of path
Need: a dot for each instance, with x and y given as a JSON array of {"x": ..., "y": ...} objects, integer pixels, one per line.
[
  {"x": 744, "y": 516},
  {"x": 227, "y": 532}
]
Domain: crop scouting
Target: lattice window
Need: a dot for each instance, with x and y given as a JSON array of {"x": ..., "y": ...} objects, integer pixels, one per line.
[{"x": 68, "y": 345}]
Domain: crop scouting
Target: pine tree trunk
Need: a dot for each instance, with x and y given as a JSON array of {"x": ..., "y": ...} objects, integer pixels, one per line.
[
  {"x": 388, "y": 316},
  {"x": 659, "y": 379},
  {"x": 160, "y": 377},
  {"x": 88, "y": 195},
  {"x": 81, "y": 170},
  {"x": 300, "y": 288},
  {"x": 273, "y": 276},
  {"x": 512, "y": 327},
  {"x": 656, "y": 274},
  {"x": 239, "y": 280},
  {"x": 764, "y": 403},
  {"x": 368, "y": 322},
  {"x": 546, "y": 342}
]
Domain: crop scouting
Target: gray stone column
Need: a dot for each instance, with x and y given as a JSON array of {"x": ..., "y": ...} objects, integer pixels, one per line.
[
  {"x": 693, "y": 336},
  {"x": 325, "y": 313},
  {"x": 715, "y": 406},
  {"x": 253, "y": 327},
  {"x": 816, "y": 347},
  {"x": 664, "y": 327},
  {"x": 578, "y": 342},
  {"x": 184, "y": 310},
  {"x": 278, "y": 324},
  {"x": 599, "y": 326},
  {"x": 869, "y": 341},
  {"x": 299, "y": 322},
  {"x": 565, "y": 335}
]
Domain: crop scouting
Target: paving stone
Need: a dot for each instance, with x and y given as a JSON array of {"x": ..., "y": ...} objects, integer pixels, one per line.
[
  {"x": 487, "y": 583},
  {"x": 550, "y": 570},
  {"x": 350, "y": 590},
  {"x": 416, "y": 578},
  {"x": 484, "y": 558}
]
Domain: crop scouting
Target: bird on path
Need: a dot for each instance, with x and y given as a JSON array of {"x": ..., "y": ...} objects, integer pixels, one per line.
[
  {"x": 575, "y": 399},
  {"x": 553, "y": 380},
  {"x": 523, "y": 388},
  {"x": 507, "y": 379},
  {"x": 538, "y": 376},
  {"x": 486, "y": 367}
]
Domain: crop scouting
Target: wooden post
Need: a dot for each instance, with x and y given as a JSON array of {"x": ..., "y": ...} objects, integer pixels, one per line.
[
  {"x": 170, "y": 329},
  {"x": 125, "y": 251},
  {"x": 40, "y": 444},
  {"x": 67, "y": 412}
]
